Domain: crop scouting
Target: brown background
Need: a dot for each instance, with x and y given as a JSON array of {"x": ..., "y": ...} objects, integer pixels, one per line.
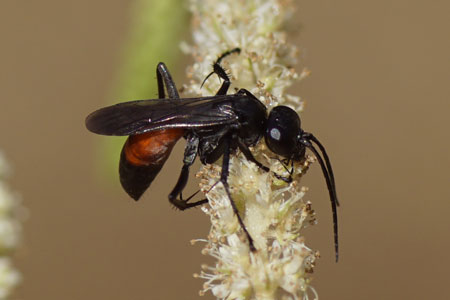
[{"x": 377, "y": 97}]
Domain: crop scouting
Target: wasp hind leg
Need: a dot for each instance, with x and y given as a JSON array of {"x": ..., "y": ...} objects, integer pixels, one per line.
[
  {"x": 164, "y": 78},
  {"x": 190, "y": 153}
]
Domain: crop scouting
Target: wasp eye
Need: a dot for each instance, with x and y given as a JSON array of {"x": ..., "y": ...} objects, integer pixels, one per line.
[{"x": 282, "y": 131}]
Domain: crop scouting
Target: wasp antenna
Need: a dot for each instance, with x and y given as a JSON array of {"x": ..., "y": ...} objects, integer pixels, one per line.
[
  {"x": 331, "y": 191},
  {"x": 311, "y": 137}
]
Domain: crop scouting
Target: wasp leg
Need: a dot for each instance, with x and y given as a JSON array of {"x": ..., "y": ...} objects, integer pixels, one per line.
[
  {"x": 217, "y": 69},
  {"x": 190, "y": 153},
  {"x": 249, "y": 156},
  {"x": 163, "y": 77},
  {"x": 285, "y": 163},
  {"x": 180, "y": 203},
  {"x": 226, "y": 53},
  {"x": 224, "y": 179}
]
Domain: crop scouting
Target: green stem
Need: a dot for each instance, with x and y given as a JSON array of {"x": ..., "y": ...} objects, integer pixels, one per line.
[{"x": 155, "y": 31}]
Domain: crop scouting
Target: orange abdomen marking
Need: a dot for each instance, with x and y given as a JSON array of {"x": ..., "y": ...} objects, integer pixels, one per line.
[{"x": 152, "y": 147}]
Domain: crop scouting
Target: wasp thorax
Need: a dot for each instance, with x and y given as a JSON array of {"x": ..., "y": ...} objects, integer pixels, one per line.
[{"x": 282, "y": 131}]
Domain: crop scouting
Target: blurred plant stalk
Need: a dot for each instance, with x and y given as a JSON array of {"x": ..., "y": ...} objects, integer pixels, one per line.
[
  {"x": 155, "y": 30},
  {"x": 10, "y": 232}
]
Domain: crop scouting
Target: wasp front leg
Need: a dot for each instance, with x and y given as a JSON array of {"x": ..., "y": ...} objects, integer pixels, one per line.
[{"x": 249, "y": 156}]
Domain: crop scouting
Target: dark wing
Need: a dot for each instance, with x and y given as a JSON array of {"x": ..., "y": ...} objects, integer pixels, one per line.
[{"x": 141, "y": 116}]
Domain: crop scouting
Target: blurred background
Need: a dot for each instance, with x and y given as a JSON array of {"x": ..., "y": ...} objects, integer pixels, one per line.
[{"x": 377, "y": 98}]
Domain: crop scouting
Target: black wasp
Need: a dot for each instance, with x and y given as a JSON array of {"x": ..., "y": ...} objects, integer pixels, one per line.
[{"x": 213, "y": 127}]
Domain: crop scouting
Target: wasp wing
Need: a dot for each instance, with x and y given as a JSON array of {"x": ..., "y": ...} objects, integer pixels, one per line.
[{"x": 141, "y": 116}]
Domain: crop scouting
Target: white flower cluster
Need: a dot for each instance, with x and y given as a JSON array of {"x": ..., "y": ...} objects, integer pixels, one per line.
[
  {"x": 273, "y": 211},
  {"x": 9, "y": 233}
]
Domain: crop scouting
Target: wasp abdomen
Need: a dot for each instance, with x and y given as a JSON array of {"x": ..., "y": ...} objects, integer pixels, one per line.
[{"x": 143, "y": 156}]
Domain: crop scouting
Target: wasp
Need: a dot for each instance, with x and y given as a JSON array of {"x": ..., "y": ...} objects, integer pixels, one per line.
[{"x": 213, "y": 127}]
